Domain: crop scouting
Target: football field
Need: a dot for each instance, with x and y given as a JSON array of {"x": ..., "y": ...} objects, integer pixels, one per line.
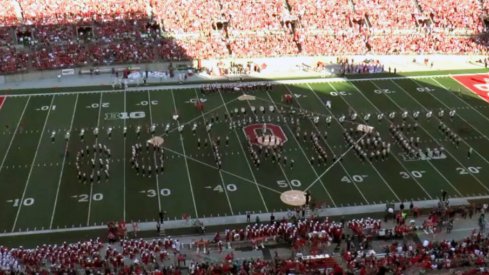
[{"x": 40, "y": 164}]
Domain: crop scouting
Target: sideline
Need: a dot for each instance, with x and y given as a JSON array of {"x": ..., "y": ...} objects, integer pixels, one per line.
[
  {"x": 241, "y": 219},
  {"x": 273, "y": 82}
]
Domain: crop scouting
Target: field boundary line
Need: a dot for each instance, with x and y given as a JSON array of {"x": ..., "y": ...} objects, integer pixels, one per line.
[
  {"x": 63, "y": 164},
  {"x": 272, "y": 81},
  {"x": 185, "y": 159},
  {"x": 238, "y": 219},
  {"x": 33, "y": 164},
  {"x": 244, "y": 154}
]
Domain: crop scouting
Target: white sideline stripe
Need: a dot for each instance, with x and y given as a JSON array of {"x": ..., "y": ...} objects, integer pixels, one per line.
[
  {"x": 33, "y": 164},
  {"x": 238, "y": 219},
  {"x": 63, "y": 164},
  {"x": 272, "y": 81}
]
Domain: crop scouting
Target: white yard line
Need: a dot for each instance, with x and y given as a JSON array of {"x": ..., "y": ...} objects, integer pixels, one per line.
[
  {"x": 273, "y": 82},
  {"x": 198, "y": 117},
  {"x": 342, "y": 127},
  {"x": 278, "y": 163},
  {"x": 224, "y": 171},
  {"x": 318, "y": 178},
  {"x": 305, "y": 155},
  {"x": 124, "y": 165},
  {"x": 433, "y": 138},
  {"x": 244, "y": 154},
  {"x": 436, "y": 117},
  {"x": 32, "y": 164},
  {"x": 333, "y": 164},
  {"x": 475, "y": 128},
  {"x": 60, "y": 177},
  {"x": 154, "y": 156},
  {"x": 186, "y": 163},
  {"x": 14, "y": 134},
  {"x": 394, "y": 155},
  {"x": 219, "y": 170},
  {"x": 91, "y": 184}
]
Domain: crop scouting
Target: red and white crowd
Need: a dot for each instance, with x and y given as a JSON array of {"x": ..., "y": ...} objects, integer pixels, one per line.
[
  {"x": 399, "y": 257},
  {"x": 453, "y": 14},
  {"x": 308, "y": 238},
  {"x": 61, "y": 34}
]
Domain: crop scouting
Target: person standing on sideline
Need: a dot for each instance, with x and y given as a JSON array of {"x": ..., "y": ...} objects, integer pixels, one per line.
[
  {"x": 444, "y": 195},
  {"x": 161, "y": 214}
]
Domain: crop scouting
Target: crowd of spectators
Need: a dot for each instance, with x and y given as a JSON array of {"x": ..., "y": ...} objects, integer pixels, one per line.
[
  {"x": 310, "y": 239},
  {"x": 273, "y": 44},
  {"x": 187, "y": 16},
  {"x": 258, "y": 15},
  {"x": 322, "y": 14},
  {"x": 8, "y": 16},
  {"x": 387, "y": 14},
  {"x": 60, "y": 12},
  {"x": 52, "y": 34},
  {"x": 453, "y": 14}
]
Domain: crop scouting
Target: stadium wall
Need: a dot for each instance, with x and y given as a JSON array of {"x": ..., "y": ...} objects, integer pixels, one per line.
[{"x": 284, "y": 66}]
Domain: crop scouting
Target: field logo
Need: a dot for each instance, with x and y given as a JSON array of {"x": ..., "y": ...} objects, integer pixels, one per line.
[
  {"x": 254, "y": 131},
  {"x": 2, "y": 101},
  {"x": 195, "y": 100},
  {"x": 479, "y": 84},
  {"x": 125, "y": 115}
]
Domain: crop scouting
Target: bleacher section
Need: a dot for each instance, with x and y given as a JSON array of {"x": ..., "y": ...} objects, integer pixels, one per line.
[{"x": 53, "y": 34}]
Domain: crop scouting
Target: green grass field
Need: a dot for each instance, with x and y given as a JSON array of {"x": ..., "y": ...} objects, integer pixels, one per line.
[{"x": 40, "y": 188}]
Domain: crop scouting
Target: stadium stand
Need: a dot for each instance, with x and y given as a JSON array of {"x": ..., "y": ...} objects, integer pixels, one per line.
[
  {"x": 59, "y": 34},
  {"x": 309, "y": 238}
]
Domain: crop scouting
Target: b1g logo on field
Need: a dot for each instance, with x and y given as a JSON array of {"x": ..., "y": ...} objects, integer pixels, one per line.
[
  {"x": 125, "y": 115},
  {"x": 253, "y": 131}
]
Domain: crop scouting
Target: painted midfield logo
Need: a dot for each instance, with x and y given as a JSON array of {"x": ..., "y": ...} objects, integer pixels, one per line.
[{"x": 253, "y": 131}]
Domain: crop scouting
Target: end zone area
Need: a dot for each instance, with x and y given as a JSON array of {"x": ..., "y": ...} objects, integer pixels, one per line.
[{"x": 477, "y": 83}]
